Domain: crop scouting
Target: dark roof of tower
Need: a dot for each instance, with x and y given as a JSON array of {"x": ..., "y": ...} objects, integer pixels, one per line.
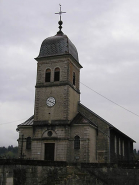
[{"x": 56, "y": 45}]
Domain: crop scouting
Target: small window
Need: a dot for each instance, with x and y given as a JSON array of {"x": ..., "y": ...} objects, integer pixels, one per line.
[
  {"x": 115, "y": 144},
  {"x": 28, "y": 143},
  {"x": 76, "y": 142},
  {"x": 73, "y": 78},
  {"x": 47, "y": 75},
  {"x": 123, "y": 148},
  {"x": 57, "y": 74},
  {"x": 119, "y": 146}
]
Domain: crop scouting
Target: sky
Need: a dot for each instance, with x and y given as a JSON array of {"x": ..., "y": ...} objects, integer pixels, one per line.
[{"x": 106, "y": 35}]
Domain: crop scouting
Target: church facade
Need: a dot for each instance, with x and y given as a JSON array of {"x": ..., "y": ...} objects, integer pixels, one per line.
[{"x": 62, "y": 129}]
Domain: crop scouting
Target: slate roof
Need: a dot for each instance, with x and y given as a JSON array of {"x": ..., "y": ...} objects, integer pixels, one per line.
[{"x": 58, "y": 45}]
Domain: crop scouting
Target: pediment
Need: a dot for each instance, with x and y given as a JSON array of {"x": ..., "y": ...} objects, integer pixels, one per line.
[{"x": 81, "y": 119}]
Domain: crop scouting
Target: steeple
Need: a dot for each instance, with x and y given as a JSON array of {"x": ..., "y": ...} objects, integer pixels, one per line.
[{"x": 58, "y": 45}]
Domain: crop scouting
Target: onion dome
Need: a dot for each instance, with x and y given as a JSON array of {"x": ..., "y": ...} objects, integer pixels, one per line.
[{"x": 59, "y": 44}]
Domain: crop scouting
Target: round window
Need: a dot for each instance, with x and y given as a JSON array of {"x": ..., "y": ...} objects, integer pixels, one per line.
[{"x": 49, "y": 133}]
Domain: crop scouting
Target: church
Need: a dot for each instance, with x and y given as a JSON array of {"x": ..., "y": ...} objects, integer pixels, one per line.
[{"x": 63, "y": 129}]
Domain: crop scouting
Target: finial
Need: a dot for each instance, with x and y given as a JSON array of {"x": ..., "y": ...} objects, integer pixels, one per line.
[{"x": 60, "y": 22}]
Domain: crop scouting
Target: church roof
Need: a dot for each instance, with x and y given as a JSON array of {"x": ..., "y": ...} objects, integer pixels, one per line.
[
  {"x": 109, "y": 124},
  {"x": 96, "y": 115},
  {"x": 57, "y": 45},
  {"x": 28, "y": 122}
]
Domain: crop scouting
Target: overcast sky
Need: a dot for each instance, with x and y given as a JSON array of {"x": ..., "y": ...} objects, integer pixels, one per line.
[{"x": 106, "y": 35}]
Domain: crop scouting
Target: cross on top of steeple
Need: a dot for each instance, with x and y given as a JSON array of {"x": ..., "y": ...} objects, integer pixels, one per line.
[
  {"x": 60, "y": 22},
  {"x": 60, "y": 13}
]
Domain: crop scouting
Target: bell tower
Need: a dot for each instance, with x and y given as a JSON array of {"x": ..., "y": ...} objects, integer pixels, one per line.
[{"x": 57, "y": 85}]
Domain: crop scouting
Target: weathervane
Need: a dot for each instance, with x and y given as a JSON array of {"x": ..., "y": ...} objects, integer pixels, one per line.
[{"x": 60, "y": 22}]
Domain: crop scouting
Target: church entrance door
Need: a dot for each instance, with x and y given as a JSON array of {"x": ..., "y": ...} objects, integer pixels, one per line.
[{"x": 49, "y": 151}]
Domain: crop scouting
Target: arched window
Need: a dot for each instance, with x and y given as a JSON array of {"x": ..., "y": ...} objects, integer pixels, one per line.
[
  {"x": 76, "y": 142},
  {"x": 73, "y": 78},
  {"x": 28, "y": 143},
  {"x": 48, "y": 75},
  {"x": 57, "y": 74}
]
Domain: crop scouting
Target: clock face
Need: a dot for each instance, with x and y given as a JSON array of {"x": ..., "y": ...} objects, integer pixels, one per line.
[{"x": 50, "y": 101}]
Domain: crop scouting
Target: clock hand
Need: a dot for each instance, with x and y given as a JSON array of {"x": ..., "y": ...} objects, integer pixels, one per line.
[{"x": 50, "y": 101}]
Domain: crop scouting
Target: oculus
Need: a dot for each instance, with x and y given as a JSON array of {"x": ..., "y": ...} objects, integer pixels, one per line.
[{"x": 49, "y": 133}]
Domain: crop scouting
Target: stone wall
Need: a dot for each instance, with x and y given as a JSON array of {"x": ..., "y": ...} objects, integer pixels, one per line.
[
  {"x": 87, "y": 151},
  {"x": 63, "y": 139},
  {"x": 27, "y": 172},
  {"x": 102, "y": 144}
]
